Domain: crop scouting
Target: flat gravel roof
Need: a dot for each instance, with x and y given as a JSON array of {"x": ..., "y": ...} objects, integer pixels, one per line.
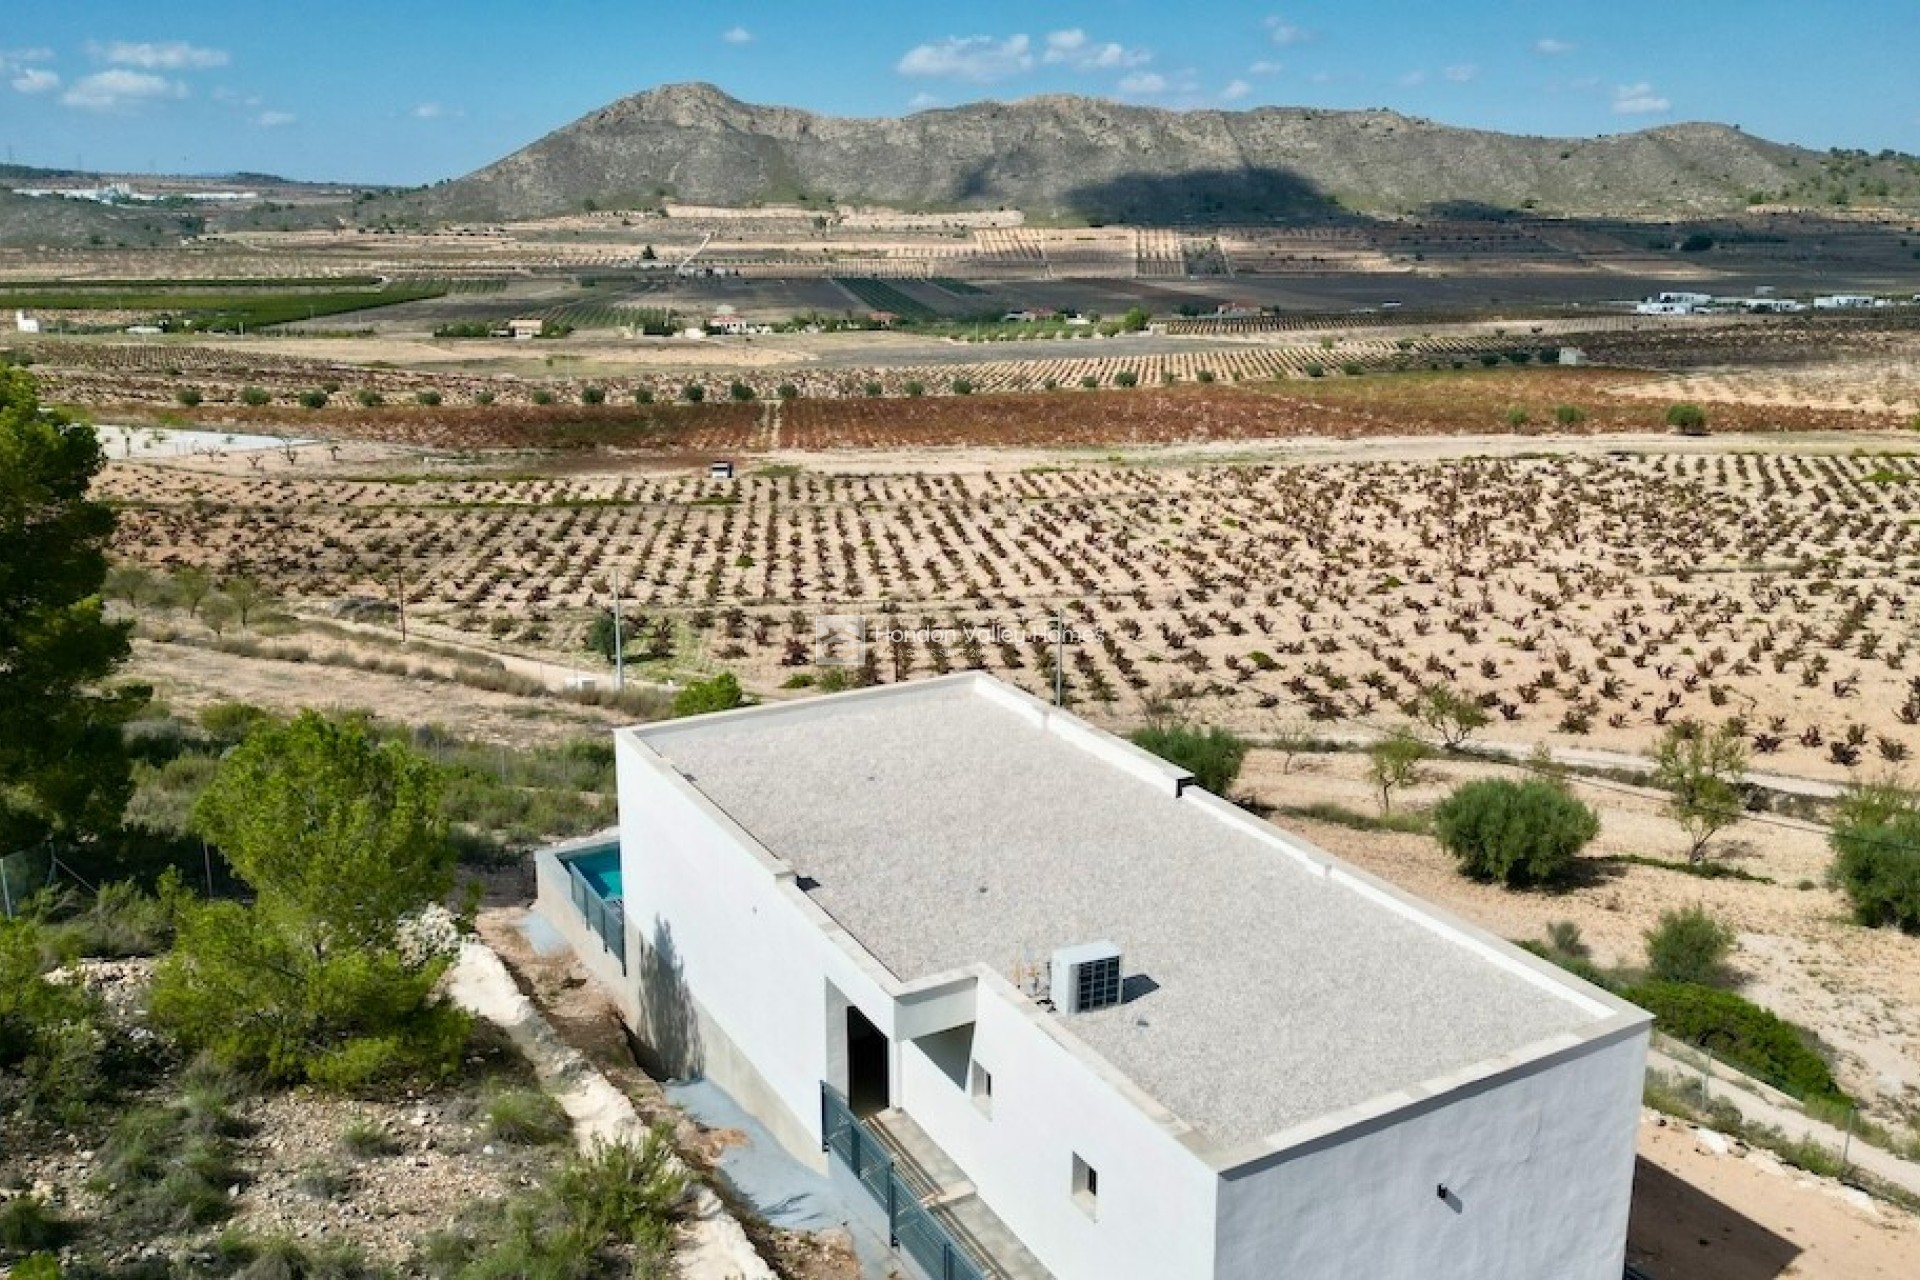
[{"x": 945, "y": 828}]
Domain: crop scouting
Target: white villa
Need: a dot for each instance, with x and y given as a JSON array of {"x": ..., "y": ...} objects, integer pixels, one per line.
[{"x": 1062, "y": 1013}]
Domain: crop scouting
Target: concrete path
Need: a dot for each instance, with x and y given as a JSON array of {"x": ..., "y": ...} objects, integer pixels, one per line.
[
  {"x": 713, "y": 1245},
  {"x": 1760, "y": 1105}
]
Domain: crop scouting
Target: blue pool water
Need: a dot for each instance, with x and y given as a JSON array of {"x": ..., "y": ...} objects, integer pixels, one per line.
[{"x": 601, "y": 869}]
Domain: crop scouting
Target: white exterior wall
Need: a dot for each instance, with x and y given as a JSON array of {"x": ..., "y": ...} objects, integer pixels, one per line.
[
  {"x": 1539, "y": 1165},
  {"x": 1155, "y": 1213},
  {"x": 749, "y": 955}
]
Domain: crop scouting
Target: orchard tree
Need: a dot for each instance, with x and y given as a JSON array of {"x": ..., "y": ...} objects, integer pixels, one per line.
[
  {"x": 63, "y": 768},
  {"x": 1703, "y": 771},
  {"x": 331, "y": 973}
]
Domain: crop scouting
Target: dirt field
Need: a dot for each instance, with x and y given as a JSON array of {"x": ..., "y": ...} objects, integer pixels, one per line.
[{"x": 1698, "y": 1215}]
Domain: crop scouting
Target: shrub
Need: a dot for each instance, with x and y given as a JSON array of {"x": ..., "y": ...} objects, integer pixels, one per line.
[
  {"x": 721, "y": 693},
  {"x": 431, "y": 399},
  {"x": 1876, "y": 843},
  {"x": 1688, "y": 945},
  {"x": 254, "y": 396},
  {"x": 542, "y": 396},
  {"x": 168, "y": 1168},
  {"x": 740, "y": 390},
  {"x": 188, "y": 396},
  {"x": 787, "y": 391},
  {"x": 27, "y": 1225},
  {"x": 1687, "y": 419},
  {"x": 1518, "y": 833},
  {"x": 593, "y": 395},
  {"x": 915, "y": 388},
  {"x": 369, "y": 398},
  {"x": 51, "y": 1046},
  {"x": 314, "y": 399},
  {"x": 962, "y": 387},
  {"x": 1569, "y": 415},
  {"x": 1316, "y": 371},
  {"x": 1204, "y": 375},
  {"x": 1518, "y": 417},
  {"x": 1450, "y": 713},
  {"x": 643, "y": 395},
  {"x": 871, "y": 389},
  {"x": 1740, "y": 1032},
  {"x": 483, "y": 397},
  {"x": 1213, "y": 756},
  {"x": 1352, "y": 370},
  {"x": 1089, "y": 382},
  {"x": 1126, "y": 378},
  {"x": 366, "y": 1139},
  {"x": 527, "y": 1118}
]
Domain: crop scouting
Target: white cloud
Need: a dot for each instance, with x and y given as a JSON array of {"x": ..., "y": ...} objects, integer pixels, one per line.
[
  {"x": 36, "y": 80},
  {"x": 737, "y": 35},
  {"x": 1235, "y": 90},
  {"x": 976, "y": 58},
  {"x": 1413, "y": 79},
  {"x": 921, "y": 101},
  {"x": 436, "y": 111},
  {"x": 1638, "y": 100},
  {"x": 119, "y": 89},
  {"x": 1265, "y": 68},
  {"x": 1461, "y": 72},
  {"x": 1552, "y": 47},
  {"x": 275, "y": 119},
  {"x": 1143, "y": 82},
  {"x": 1284, "y": 33},
  {"x": 1074, "y": 49},
  {"x": 169, "y": 55}
]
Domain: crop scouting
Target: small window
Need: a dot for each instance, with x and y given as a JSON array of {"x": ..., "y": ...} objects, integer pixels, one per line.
[
  {"x": 1086, "y": 1186},
  {"x": 981, "y": 1087}
]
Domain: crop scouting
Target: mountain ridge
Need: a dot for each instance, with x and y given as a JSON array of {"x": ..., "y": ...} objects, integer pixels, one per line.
[{"x": 1063, "y": 157}]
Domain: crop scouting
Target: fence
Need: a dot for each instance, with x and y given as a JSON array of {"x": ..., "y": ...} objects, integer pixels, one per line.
[
  {"x": 909, "y": 1225},
  {"x": 606, "y": 918}
]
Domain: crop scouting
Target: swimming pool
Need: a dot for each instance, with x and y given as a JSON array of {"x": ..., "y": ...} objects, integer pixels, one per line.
[{"x": 600, "y": 868}]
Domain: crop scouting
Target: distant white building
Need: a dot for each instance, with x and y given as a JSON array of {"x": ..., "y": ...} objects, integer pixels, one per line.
[
  {"x": 1063, "y": 1013},
  {"x": 1845, "y": 301},
  {"x": 26, "y": 323},
  {"x": 1685, "y": 299},
  {"x": 1655, "y": 307}
]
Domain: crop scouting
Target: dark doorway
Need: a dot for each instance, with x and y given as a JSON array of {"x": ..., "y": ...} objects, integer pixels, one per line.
[{"x": 868, "y": 1088}]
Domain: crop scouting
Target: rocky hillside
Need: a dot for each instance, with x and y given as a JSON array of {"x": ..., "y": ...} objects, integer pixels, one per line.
[{"x": 1082, "y": 158}]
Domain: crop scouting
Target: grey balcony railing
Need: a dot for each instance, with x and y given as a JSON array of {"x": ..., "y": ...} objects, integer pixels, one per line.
[{"x": 909, "y": 1226}]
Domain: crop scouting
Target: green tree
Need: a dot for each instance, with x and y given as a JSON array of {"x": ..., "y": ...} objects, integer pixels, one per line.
[
  {"x": 1135, "y": 320},
  {"x": 63, "y": 768},
  {"x": 1687, "y": 419},
  {"x": 1518, "y": 833},
  {"x": 1450, "y": 713},
  {"x": 330, "y": 975},
  {"x": 191, "y": 586},
  {"x": 1688, "y": 945},
  {"x": 1876, "y": 844},
  {"x": 1394, "y": 762},
  {"x": 721, "y": 693},
  {"x": 1703, "y": 771},
  {"x": 1213, "y": 756}
]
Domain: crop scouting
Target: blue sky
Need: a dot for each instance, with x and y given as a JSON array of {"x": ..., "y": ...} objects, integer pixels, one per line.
[{"x": 408, "y": 92}]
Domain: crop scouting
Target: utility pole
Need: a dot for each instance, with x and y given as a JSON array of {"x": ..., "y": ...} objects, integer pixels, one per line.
[
  {"x": 619, "y": 645},
  {"x": 400, "y": 581},
  {"x": 1059, "y": 659}
]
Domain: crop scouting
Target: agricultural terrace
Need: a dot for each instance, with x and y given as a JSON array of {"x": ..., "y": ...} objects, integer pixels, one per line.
[{"x": 1586, "y": 598}]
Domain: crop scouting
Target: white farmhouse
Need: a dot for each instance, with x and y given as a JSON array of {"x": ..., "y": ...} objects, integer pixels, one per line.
[
  {"x": 1065, "y": 1014},
  {"x": 25, "y": 323}
]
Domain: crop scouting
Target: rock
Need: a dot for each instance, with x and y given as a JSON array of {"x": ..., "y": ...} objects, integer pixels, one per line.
[{"x": 1710, "y": 1141}]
